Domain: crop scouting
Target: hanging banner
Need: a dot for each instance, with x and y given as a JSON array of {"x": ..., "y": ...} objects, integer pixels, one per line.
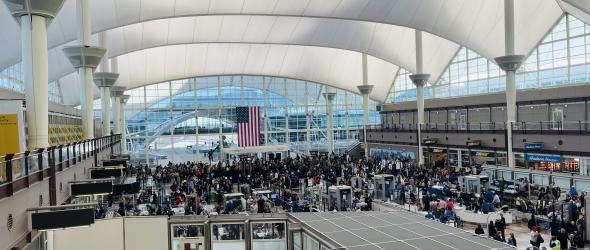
[{"x": 12, "y": 127}]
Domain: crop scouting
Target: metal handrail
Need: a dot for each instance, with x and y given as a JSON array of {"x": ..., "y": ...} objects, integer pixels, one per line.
[
  {"x": 29, "y": 163},
  {"x": 488, "y": 126}
]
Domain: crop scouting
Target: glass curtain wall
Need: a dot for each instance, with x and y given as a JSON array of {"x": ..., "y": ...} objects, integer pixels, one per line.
[
  {"x": 169, "y": 119},
  {"x": 12, "y": 79},
  {"x": 562, "y": 58}
]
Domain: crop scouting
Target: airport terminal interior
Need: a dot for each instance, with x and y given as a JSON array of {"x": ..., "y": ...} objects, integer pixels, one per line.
[{"x": 294, "y": 124}]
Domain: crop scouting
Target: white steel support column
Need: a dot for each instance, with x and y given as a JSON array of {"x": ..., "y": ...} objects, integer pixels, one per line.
[
  {"x": 114, "y": 65},
  {"x": 510, "y": 63},
  {"x": 419, "y": 79},
  {"x": 50, "y": 239},
  {"x": 123, "y": 122},
  {"x": 104, "y": 80},
  {"x": 265, "y": 93},
  {"x": 307, "y": 121},
  {"x": 219, "y": 110},
  {"x": 329, "y": 96},
  {"x": 85, "y": 73},
  {"x": 365, "y": 90},
  {"x": 34, "y": 16},
  {"x": 105, "y": 63},
  {"x": 287, "y": 133},
  {"x": 35, "y": 71},
  {"x": 116, "y": 93},
  {"x": 105, "y": 101},
  {"x": 347, "y": 115},
  {"x": 116, "y": 100},
  {"x": 86, "y": 99},
  {"x": 85, "y": 58},
  {"x": 197, "y": 148}
]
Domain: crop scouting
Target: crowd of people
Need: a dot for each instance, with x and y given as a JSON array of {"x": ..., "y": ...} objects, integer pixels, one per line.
[{"x": 192, "y": 188}]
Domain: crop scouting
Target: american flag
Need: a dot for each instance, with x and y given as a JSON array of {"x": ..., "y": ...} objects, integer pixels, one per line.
[{"x": 248, "y": 126}]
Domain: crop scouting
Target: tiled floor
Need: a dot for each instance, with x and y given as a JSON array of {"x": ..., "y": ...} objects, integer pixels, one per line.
[{"x": 521, "y": 232}]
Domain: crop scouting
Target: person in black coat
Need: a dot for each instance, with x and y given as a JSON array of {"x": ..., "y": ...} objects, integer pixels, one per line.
[
  {"x": 501, "y": 226},
  {"x": 562, "y": 237},
  {"x": 260, "y": 205},
  {"x": 491, "y": 229},
  {"x": 479, "y": 230}
]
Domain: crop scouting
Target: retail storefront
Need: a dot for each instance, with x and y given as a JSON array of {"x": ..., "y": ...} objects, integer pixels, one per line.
[
  {"x": 550, "y": 163},
  {"x": 533, "y": 158}
]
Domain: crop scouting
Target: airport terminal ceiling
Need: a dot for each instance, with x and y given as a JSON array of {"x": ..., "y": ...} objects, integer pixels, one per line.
[{"x": 305, "y": 39}]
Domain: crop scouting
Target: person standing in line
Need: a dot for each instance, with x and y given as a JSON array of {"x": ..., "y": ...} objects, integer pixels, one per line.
[
  {"x": 501, "y": 226},
  {"x": 491, "y": 229},
  {"x": 563, "y": 238}
]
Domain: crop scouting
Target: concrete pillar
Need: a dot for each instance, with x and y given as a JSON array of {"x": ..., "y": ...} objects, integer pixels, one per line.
[
  {"x": 329, "y": 96},
  {"x": 116, "y": 93},
  {"x": 105, "y": 63},
  {"x": 104, "y": 80},
  {"x": 419, "y": 79},
  {"x": 85, "y": 58},
  {"x": 365, "y": 90},
  {"x": 123, "y": 123},
  {"x": 34, "y": 16},
  {"x": 510, "y": 63}
]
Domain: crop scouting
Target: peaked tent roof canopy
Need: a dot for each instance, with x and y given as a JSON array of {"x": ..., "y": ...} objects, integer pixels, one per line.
[{"x": 381, "y": 29}]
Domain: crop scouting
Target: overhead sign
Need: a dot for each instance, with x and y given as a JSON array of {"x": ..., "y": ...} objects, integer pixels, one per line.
[
  {"x": 92, "y": 188},
  {"x": 429, "y": 141},
  {"x": 543, "y": 158},
  {"x": 99, "y": 173},
  {"x": 438, "y": 150},
  {"x": 12, "y": 129},
  {"x": 484, "y": 154},
  {"x": 533, "y": 146},
  {"x": 9, "y": 134},
  {"x": 127, "y": 188},
  {"x": 62, "y": 219},
  {"x": 474, "y": 143}
]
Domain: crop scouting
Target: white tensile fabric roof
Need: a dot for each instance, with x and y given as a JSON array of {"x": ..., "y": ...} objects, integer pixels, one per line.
[{"x": 314, "y": 40}]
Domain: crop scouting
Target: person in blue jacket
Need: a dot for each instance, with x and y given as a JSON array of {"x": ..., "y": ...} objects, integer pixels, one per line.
[
  {"x": 485, "y": 207},
  {"x": 573, "y": 192},
  {"x": 429, "y": 216},
  {"x": 489, "y": 195}
]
